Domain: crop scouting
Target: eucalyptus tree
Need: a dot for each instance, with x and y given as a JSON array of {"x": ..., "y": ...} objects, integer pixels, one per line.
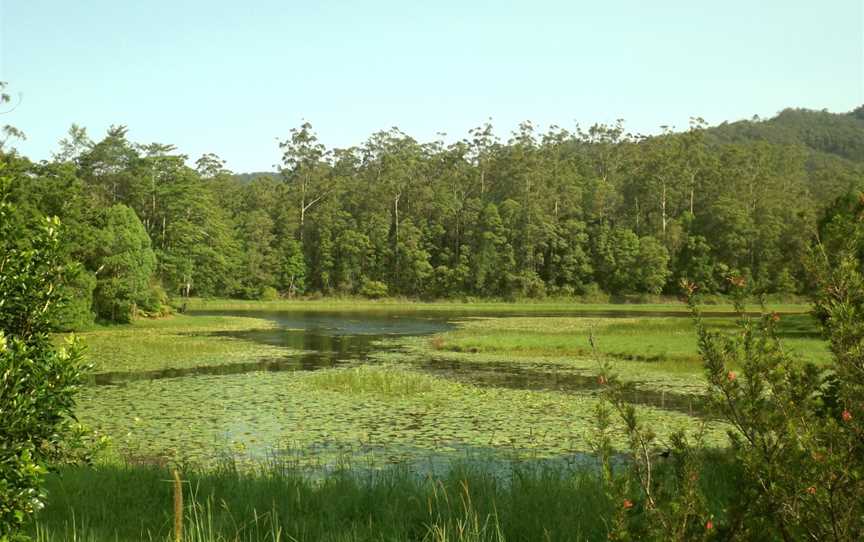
[
  {"x": 661, "y": 183},
  {"x": 109, "y": 166},
  {"x": 698, "y": 162},
  {"x": 482, "y": 149},
  {"x": 607, "y": 151},
  {"x": 75, "y": 144},
  {"x": 305, "y": 171},
  {"x": 394, "y": 164}
]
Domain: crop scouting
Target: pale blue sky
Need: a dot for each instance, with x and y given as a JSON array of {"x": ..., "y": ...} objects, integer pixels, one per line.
[{"x": 232, "y": 77}]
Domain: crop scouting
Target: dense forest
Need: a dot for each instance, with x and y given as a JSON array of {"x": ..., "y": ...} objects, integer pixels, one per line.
[{"x": 556, "y": 213}]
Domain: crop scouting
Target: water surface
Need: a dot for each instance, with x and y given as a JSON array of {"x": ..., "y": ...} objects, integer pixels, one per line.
[{"x": 267, "y": 405}]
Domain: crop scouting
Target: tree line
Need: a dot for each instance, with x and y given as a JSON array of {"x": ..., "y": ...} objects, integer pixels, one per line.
[{"x": 561, "y": 213}]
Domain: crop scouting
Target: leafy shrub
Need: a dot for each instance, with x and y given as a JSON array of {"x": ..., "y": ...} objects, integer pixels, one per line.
[
  {"x": 528, "y": 284},
  {"x": 76, "y": 311},
  {"x": 373, "y": 289},
  {"x": 155, "y": 301},
  {"x": 796, "y": 433},
  {"x": 592, "y": 293},
  {"x": 38, "y": 381},
  {"x": 269, "y": 293}
]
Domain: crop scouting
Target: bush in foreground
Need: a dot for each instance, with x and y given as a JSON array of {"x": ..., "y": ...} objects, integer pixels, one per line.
[
  {"x": 796, "y": 434},
  {"x": 38, "y": 381}
]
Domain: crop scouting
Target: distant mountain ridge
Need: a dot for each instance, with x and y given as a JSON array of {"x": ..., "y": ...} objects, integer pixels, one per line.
[
  {"x": 839, "y": 134},
  {"x": 246, "y": 178}
]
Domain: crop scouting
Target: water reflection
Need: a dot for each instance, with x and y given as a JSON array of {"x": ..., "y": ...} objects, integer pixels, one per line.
[{"x": 332, "y": 339}]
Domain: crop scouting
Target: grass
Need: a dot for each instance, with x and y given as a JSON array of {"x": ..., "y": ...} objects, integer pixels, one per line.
[
  {"x": 669, "y": 344},
  {"x": 179, "y": 341},
  {"x": 279, "y": 502},
  {"x": 501, "y": 447},
  {"x": 382, "y": 381},
  {"x": 479, "y": 306}
]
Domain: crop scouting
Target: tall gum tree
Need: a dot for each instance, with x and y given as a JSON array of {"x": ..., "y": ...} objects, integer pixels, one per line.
[{"x": 305, "y": 171}]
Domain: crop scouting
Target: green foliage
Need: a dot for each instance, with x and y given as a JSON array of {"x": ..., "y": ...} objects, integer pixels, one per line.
[
  {"x": 126, "y": 265},
  {"x": 293, "y": 278},
  {"x": 269, "y": 294},
  {"x": 616, "y": 253},
  {"x": 555, "y": 213},
  {"x": 373, "y": 289},
  {"x": 38, "y": 381},
  {"x": 795, "y": 437},
  {"x": 76, "y": 312},
  {"x": 697, "y": 265},
  {"x": 652, "y": 266}
]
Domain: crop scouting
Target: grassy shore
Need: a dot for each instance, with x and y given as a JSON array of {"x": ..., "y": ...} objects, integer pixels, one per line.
[
  {"x": 279, "y": 502},
  {"x": 469, "y": 306},
  {"x": 176, "y": 342},
  {"x": 668, "y": 344}
]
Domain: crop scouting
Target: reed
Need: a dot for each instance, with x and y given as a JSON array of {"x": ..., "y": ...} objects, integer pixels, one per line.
[
  {"x": 276, "y": 502},
  {"x": 178, "y": 506}
]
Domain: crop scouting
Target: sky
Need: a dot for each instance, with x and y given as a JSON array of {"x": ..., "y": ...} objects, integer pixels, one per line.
[{"x": 233, "y": 78}]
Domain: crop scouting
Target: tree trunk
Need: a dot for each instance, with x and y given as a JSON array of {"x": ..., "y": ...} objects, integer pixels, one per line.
[
  {"x": 663, "y": 207},
  {"x": 692, "y": 191},
  {"x": 396, "y": 219}
]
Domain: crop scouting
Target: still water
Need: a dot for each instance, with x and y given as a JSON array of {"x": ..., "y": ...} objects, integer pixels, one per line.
[{"x": 272, "y": 406}]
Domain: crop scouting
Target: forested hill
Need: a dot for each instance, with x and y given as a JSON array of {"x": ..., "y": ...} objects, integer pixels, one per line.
[
  {"x": 249, "y": 177},
  {"x": 820, "y": 131},
  {"x": 552, "y": 213}
]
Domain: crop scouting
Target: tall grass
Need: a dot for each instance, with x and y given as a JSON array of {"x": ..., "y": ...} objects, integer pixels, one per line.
[
  {"x": 669, "y": 343},
  {"x": 279, "y": 502},
  {"x": 387, "y": 381},
  {"x": 346, "y": 304}
]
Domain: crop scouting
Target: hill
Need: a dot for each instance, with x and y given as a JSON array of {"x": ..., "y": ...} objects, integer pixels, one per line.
[{"x": 839, "y": 134}]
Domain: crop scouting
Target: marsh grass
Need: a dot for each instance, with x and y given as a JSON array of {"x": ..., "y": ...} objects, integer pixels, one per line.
[
  {"x": 385, "y": 381},
  {"x": 177, "y": 342},
  {"x": 277, "y": 502},
  {"x": 667, "y": 343},
  {"x": 348, "y": 304}
]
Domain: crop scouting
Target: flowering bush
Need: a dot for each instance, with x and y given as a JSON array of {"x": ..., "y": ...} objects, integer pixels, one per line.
[{"x": 796, "y": 436}]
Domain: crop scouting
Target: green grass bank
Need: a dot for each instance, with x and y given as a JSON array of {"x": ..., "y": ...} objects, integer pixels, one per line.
[{"x": 279, "y": 502}]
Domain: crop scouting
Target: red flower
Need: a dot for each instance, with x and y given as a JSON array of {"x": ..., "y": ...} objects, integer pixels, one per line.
[
  {"x": 731, "y": 376},
  {"x": 775, "y": 317},
  {"x": 690, "y": 287},
  {"x": 628, "y": 504},
  {"x": 847, "y": 416},
  {"x": 709, "y": 525},
  {"x": 811, "y": 490},
  {"x": 739, "y": 282}
]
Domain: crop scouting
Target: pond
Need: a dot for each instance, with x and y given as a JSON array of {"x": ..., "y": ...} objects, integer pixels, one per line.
[{"x": 344, "y": 392}]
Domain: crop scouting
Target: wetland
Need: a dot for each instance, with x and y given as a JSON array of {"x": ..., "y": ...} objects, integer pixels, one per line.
[
  {"x": 328, "y": 421},
  {"x": 392, "y": 386}
]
